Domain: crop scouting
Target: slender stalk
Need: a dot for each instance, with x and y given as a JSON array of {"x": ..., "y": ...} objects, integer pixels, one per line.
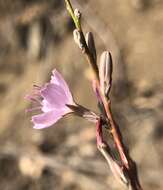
[
  {"x": 105, "y": 150},
  {"x": 71, "y": 12},
  {"x": 89, "y": 57},
  {"x": 86, "y": 51},
  {"x": 116, "y": 135},
  {"x": 128, "y": 164}
]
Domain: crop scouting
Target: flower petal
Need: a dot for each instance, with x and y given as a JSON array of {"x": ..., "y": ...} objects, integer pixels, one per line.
[
  {"x": 47, "y": 119},
  {"x": 57, "y": 78},
  {"x": 54, "y": 96}
]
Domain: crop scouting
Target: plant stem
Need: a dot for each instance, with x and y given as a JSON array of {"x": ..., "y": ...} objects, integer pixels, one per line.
[
  {"x": 71, "y": 12},
  {"x": 83, "y": 41},
  {"x": 126, "y": 160}
]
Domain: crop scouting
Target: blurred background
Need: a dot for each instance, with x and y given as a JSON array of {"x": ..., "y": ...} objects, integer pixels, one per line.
[{"x": 35, "y": 37}]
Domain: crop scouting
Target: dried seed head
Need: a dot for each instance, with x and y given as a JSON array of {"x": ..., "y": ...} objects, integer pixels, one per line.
[
  {"x": 77, "y": 38},
  {"x": 91, "y": 44},
  {"x": 77, "y": 14},
  {"x": 105, "y": 73}
]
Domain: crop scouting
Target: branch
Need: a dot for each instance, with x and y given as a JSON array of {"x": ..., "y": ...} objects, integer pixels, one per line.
[
  {"x": 127, "y": 163},
  {"x": 77, "y": 21}
]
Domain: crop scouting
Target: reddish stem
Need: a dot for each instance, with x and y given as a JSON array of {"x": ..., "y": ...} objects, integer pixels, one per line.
[{"x": 128, "y": 163}]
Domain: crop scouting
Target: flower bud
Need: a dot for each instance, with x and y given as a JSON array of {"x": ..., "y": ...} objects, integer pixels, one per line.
[
  {"x": 77, "y": 38},
  {"x": 77, "y": 14},
  {"x": 105, "y": 73},
  {"x": 91, "y": 44}
]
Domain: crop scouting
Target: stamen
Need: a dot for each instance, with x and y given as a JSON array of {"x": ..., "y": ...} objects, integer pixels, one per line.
[
  {"x": 33, "y": 99},
  {"x": 33, "y": 109},
  {"x": 37, "y": 87}
]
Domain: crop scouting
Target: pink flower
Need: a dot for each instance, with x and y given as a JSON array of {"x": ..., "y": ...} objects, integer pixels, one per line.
[{"x": 52, "y": 100}]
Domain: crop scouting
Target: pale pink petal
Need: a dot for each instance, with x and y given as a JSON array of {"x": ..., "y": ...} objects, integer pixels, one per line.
[
  {"x": 46, "y": 107},
  {"x": 39, "y": 126},
  {"x": 54, "y": 95},
  {"x": 47, "y": 119},
  {"x": 57, "y": 78}
]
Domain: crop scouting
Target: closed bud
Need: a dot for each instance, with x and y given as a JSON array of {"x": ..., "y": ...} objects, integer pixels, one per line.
[
  {"x": 91, "y": 44},
  {"x": 77, "y": 38},
  {"x": 105, "y": 73},
  {"x": 77, "y": 14}
]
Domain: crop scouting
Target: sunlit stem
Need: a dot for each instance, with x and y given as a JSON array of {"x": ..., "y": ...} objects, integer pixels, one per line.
[{"x": 71, "y": 12}]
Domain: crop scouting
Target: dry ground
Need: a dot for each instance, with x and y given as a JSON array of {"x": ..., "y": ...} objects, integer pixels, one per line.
[{"x": 35, "y": 37}]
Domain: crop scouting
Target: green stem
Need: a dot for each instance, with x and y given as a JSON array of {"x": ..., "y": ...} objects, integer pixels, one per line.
[{"x": 71, "y": 12}]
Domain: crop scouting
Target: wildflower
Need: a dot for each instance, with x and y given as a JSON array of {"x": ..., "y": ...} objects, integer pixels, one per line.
[
  {"x": 51, "y": 99},
  {"x": 55, "y": 100}
]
